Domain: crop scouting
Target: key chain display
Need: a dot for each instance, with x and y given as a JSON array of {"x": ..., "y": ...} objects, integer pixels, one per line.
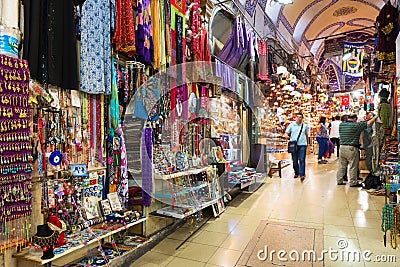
[{"x": 15, "y": 151}]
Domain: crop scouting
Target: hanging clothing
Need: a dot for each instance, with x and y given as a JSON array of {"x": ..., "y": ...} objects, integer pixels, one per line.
[
  {"x": 384, "y": 114},
  {"x": 387, "y": 25},
  {"x": 262, "y": 66},
  {"x": 124, "y": 33},
  {"x": 234, "y": 46},
  {"x": 96, "y": 47},
  {"x": 50, "y": 42},
  {"x": 226, "y": 73},
  {"x": 155, "y": 20},
  {"x": 144, "y": 39}
]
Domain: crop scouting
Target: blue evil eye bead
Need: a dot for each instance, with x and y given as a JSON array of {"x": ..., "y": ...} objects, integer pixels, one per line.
[
  {"x": 55, "y": 158},
  {"x": 59, "y": 250},
  {"x": 99, "y": 187}
]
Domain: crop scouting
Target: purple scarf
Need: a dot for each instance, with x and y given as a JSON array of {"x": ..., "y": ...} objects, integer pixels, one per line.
[{"x": 147, "y": 166}]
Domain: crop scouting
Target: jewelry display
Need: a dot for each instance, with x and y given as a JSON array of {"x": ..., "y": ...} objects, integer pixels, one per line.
[{"x": 15, "y": 151}]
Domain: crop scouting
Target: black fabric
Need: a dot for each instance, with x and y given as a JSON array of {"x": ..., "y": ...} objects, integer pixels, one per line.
[
  {"x": 372, "y": 182},
  {"x": 50, "y": 42}
]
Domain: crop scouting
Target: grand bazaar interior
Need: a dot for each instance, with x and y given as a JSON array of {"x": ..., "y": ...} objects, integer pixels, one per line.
[{"x": 199, "y": 133}]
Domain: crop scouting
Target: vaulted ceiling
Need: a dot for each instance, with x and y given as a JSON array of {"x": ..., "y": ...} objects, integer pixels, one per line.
[{"x": 307, "y": 20}]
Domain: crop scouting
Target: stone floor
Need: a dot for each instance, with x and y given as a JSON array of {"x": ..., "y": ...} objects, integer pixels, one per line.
[{"x": 344, "y": 213}]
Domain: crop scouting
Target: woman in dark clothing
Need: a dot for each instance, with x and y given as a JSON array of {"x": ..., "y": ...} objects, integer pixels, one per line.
[{"x": 322, "y": 139}]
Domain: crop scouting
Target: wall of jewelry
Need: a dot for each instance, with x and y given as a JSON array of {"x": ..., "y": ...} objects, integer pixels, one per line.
[
  {"x": 15, "y": 152},
  {"x": 226, "y": 126}
]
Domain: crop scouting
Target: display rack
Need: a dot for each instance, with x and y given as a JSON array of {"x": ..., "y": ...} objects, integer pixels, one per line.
[
  {"x": 72, "y": 253},
  {"x": 186, "y": 192}
]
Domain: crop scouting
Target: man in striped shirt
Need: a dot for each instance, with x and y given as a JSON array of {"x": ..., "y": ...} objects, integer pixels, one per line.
[{"x": 349, "y": 132}]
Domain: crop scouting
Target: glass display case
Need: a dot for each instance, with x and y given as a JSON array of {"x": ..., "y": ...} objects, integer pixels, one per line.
[{"x": 226, "y": 126}]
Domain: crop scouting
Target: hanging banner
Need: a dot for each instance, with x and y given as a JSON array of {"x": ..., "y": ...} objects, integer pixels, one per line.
[
  {"x": 345, "y": 100},
  {"x": 353, "y": 54}
]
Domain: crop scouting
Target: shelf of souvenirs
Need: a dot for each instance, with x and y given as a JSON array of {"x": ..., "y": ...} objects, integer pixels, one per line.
[
  {"x": 114, "y": 253},
  {"x": 51, "y": 173},
  {"x": 184, "y": 211},
  {"x": 73, "y": 245},
  {"x": 195, "y": 170},
  {"x": 245, "y": 177},
  {"x": 166, "y": 194}
]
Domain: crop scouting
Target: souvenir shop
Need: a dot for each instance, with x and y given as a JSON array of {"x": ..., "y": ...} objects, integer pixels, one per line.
[{"x": 106, "y": 140}]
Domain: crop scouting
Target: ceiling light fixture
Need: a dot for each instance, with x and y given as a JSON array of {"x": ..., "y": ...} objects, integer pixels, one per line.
[{"x": 284, "y": 2}]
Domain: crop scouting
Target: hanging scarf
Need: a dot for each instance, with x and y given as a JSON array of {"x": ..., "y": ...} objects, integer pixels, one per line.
[
  {"x": 147, "y": 166},
  {"x": 123, "y": 187},
  {"x": 114, "y": 104}
]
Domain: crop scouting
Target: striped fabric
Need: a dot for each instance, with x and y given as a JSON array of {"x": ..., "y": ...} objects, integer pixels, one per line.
[{"x": 350, "y": 132}]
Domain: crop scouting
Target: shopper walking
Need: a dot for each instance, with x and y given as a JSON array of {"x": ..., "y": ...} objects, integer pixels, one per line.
[
  {"x": 322, "y": 139},
  {"x": 349, "y": 149},
  {"x": 299, "y": 131},
  {"x": 334, "y": 133}
]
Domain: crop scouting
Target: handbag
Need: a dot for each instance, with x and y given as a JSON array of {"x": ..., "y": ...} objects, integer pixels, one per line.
[{"x": 292, "y": 145}]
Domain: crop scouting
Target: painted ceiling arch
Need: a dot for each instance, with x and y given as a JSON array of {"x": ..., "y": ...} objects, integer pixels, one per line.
[{"x": 310, "y": 19}]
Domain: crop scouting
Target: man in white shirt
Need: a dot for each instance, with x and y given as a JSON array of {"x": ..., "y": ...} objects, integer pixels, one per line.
[{"x": 334, "y": 133}]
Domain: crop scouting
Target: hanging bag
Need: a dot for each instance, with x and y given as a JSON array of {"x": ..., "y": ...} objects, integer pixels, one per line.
[{"x": 292, "y": 145}]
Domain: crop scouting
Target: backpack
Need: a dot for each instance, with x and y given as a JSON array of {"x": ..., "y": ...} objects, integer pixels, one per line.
[{"x": 372, "y": 182}]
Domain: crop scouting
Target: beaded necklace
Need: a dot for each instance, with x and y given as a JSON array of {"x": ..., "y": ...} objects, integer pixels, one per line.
[
  {"x": 387, "y": 217},
  {"x": 395, "y": 228}
]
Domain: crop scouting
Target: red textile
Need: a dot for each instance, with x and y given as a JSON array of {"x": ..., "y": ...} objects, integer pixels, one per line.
[
  {"x": 124, "y": 33},
  {"x": 263, "y": 61},
  {"x": 53, "y": 219}
]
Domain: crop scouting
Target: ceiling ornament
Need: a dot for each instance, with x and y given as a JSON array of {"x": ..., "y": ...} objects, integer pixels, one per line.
[{"x": 344, "y": 11}]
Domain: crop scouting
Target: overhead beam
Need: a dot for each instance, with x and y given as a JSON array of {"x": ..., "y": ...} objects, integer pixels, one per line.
[{"x": 342, "y": 33}]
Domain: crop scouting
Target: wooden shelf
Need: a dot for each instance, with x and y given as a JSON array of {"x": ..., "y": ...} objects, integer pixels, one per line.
[{"x": 24, "y": 254}]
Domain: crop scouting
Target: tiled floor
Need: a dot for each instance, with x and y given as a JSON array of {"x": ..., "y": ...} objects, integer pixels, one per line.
[{"x": 344, "y": 213}]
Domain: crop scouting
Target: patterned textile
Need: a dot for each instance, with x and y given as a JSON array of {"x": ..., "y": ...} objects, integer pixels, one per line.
[
  {"x": 387, "y": 22},
  {"x": 96, "y": 47},
  {"x": 122, "y": 189},
  {"x": 262, "y": 61},
  {"x": 250, "y": 6},
  {"x": 147, "y": 166},
  {"x": 144, "y": 38},
  {"x": 124, "y": 34}
]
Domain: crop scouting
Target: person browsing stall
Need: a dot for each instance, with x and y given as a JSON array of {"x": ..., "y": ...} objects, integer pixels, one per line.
[
  {"x": 350, "y": 132},
  {"x": 298, "y": 132},
  {"x": 334, "y": 133},
  {"x": 322, "y": 139}
]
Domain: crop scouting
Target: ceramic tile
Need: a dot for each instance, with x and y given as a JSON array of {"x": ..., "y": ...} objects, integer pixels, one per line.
[
  {"x": 168, "y": 246},
  {"x": 152, "y": 259},
  {"x": 182, "y": 233},
  {"x": 340, "y": 231},
  {"x": 368, "y": 214},
  {"x": 236, "y": 242},
  {"x": 179, "y": 262},
  {"x": 369, "y": 223},
  {"x": 210, "y": 238},
  {"x": 220, "y": 227},
  {"x": 334, "y": 220},
  {"x": 225, "y": 257},
  {"x": 343, "y": 213},
  {"x": 198, "y": 252}
]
